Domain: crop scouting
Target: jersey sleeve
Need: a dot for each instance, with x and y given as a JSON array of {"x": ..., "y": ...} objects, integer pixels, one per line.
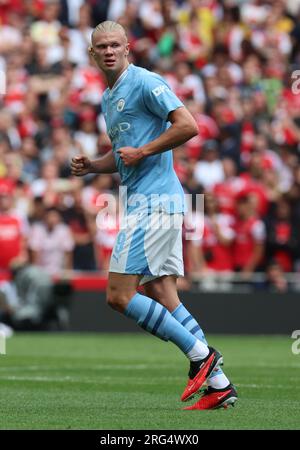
[{"x": 158, "y": 97}]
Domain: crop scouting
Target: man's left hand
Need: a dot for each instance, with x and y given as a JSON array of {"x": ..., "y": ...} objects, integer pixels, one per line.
[{"x": 130, "y": 156}]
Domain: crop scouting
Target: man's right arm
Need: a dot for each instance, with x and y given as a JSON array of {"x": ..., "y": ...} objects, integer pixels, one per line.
[{"x": 82, "y": 165}]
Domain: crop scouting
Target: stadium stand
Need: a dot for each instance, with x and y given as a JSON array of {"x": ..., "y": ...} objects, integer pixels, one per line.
[{"x": 233, "y": 62}]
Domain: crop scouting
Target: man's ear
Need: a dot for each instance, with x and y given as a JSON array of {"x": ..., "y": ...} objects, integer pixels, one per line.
[{"x": 91, "y": 51}]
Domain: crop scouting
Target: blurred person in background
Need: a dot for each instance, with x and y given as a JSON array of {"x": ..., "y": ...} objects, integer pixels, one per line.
[
  {"x": 47, "y": 29},
  {"x": 45, "y": 79},
  {"x": 181, "y": 164},
  {"x": 207, "y": 127},
  {"x": 282, "y": 243},
  {"x": 37, "y": 210},
  {"x": 8, "y": 129},
  {"x": 107, "y": 229},
  {"x": 186, "y": 84},
  {"x": 294, "y": 194},
  {"x": 225, "y": 118},
  {"x": 21, "y": 188},
  {"x": 95, "y": 186},
  {"x": 80, "y": 36},
  {"x": 13, "y": 230},
  {"x": 46, "y": 184},
  {"x": 69, "y": 12},
  {"x": 247, "y": 130},
  {"x": 26, "y": 299},
  {"x": 226, "y": 191},
  {"x": 275, "y": 279},
  {"x": 83, "y": 228},
  {"x": 251, "y": 182},
  {"x": 269, "y": 158},
  {"x": 151, "y": 15},
  {"x": 209, "y": 170},
  {"x": 250, "y": 235},
  {"x": 87, "y": 136},
  {"x": 271, "y": 183},
  {"x": 212, "y": 252},
  {"x": 11, "y": 32},
  {"x": 30, "y": 157},
  {"x": 51, "y": 243}
]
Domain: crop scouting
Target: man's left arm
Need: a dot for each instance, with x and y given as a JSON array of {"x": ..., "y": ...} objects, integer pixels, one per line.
[{"x": 182, "y": 129}]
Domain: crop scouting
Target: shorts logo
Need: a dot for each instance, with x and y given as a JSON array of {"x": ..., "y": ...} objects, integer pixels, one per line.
[
  {"x": 120, "y": 105},
  {"x": 119, "y": 245},
  {"x": 159, "y": 90}
]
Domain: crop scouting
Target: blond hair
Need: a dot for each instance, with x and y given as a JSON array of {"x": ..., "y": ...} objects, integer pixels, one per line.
[{"x": 109, "y": 27}]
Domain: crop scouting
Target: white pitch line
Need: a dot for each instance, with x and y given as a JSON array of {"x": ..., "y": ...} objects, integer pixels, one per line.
[
  {"x": 266, "y": 365},
  {"x": 24, "y": 378},
  {"x": 266, "y": 386},
  {"x": 137, "y": 381},
  {"x": 90, "y": 367},
  {"x": 100, "y": 380},
  {"x": 10, "y": 368}
]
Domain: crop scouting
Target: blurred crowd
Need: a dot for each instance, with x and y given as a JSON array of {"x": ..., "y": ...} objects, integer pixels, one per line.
[{"x": 232, "y": 62}]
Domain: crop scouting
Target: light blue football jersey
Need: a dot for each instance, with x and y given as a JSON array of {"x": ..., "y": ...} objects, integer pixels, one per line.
[{"x": 136, "y": 112}]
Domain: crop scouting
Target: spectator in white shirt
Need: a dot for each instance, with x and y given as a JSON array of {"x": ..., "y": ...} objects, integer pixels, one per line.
[
  {"x": 51, "y": 243},
  {"x": 209, "y": 170}
]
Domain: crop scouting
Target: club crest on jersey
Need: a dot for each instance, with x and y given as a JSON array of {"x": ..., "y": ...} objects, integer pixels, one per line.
[{"x": 120, "y": 105}]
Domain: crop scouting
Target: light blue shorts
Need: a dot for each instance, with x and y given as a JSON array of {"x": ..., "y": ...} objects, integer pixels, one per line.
[{"x": 149, "y": 245}]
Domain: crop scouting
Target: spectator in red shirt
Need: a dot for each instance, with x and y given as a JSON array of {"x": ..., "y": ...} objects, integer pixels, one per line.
[
  {"x": 107, "y": 229},
  {"x": 227, "y": 190},
  {"x": 9, "y": 6},
  {"x": 12, "y": 230},
  {"x": 214, "y": 251},
  {"x": 252, "y": 184},
  {"x": 207, "y": 129},
  {"x": 250, "y": 235}
]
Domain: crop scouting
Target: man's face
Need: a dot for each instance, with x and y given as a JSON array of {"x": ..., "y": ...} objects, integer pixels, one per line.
[
  {"x": 110, "y": 51},
  {"x": 52, "y": 218}
]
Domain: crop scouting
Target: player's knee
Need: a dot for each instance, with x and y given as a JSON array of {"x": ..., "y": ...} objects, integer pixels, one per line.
[
  {"x": 117, "y": 300},
  {"x": 112, "y": 300}
]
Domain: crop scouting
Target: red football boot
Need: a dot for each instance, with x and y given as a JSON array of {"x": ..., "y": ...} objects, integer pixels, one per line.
[
  {"x": 199, "y": 372},
  {"x": 216, "y": 398}
]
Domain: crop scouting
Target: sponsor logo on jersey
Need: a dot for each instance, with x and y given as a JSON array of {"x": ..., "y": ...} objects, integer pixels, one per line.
[
  {"x": 159, "y": 90},
  {"x": 114, "y": 132}
]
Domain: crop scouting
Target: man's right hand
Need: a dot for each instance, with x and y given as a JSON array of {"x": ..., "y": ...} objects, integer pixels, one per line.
[{"x": 80, "y": 165}]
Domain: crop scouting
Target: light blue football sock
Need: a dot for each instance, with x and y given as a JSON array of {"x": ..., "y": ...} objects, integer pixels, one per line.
[
  {"x": 187, "y": 320},
  {"x": 155, "y": 318}
]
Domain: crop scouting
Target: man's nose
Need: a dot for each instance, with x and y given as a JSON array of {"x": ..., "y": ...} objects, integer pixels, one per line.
[{"x": 108, "y": 50}]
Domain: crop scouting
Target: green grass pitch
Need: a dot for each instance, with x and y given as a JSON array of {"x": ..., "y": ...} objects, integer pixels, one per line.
[{"x": 127, "y": 381}]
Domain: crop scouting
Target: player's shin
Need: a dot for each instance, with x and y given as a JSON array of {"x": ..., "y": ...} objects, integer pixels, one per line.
[
  {"x": 217, "y": 379},
  {"x": 157, "y": 320}
]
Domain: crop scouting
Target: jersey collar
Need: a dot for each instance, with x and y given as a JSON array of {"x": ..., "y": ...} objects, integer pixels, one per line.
[{"x": 120, "y": 79}]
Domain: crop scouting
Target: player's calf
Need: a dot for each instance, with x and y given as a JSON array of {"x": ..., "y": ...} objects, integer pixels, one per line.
[
  {"x": 118, "y": 301},
  {"x": 121, "y": 288}
]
